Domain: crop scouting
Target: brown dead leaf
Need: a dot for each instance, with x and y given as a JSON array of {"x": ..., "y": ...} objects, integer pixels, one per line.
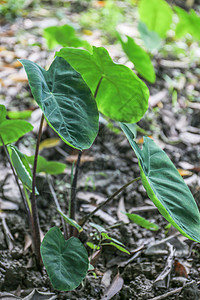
[
  {"x": 114, "y": 288},
  {"x": 183, "y": 172},
  {"x": 179, "y": 269},
  {"x": 121, "y": 208}
]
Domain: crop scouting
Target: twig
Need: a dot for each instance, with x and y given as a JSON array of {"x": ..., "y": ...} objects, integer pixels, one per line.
[
  {"x": 178, "y": 290},
  {"x": 9, "y": 237},
  {"x": 86, "y": 218},
  {"x": 57, "y": 205},
  {"x": 165, "y": 274},
  {"x": 35, "y": 217}
]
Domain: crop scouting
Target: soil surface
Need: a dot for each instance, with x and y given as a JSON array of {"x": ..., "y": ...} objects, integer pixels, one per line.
[{"x": 105, "y": 167}]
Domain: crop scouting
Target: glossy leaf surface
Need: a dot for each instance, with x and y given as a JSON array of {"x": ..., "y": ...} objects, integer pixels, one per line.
[
  {"x": 45, "y": 166},
  {"x": 65, "y": 100},
  {"x": 65, "y": 36},
  {"x": 66, "y": 262},
  {"x": 140, "y": 59},
  {"x": 121, "y": 96},
  {"x": 166, "y": 188},
  {"x": 157, "y": 15}
]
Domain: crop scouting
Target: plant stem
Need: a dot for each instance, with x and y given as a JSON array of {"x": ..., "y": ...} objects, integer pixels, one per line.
[
  {"x": 98, "y": 85},
  {"x": 35, "y": 217},
  {"x": 84, "y": 220},
  {"x": 73, "y": 192},
  {"x": 57, "y": 205},
  {"x": 17, "y": 181}
]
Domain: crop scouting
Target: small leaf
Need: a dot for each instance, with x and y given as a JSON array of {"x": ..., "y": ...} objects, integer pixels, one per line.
[
  {"x": 70, "y": 221},
  {"x": 12, "y": 130},
  {"x": 3, "y": 113},
  {"x": 25, "y": 114},
  {"x": 66, "y": 262},
  {"x": 121, "y": 94},
  {"x": 117, "y": 246},
  {"x": 188, "y": 23},
  {"x": 98, "y": 227},
  {"x": 114, "y": 288},
  {"x": 107, "y": 237},
  {"x": 93, "y": 246},
  {"x": 142, "y": 222},
  {"x": 166, "y": 188},
  {"x": 65, "y": 100},
  {"x": 157, "y": 15},
  {"x": 151, "y": 39},
  {"x": 49, "y": 143},
  {"x": 65, "y": 36},
  {"x": 45, "y": 166},
  {"x": 21, "y": 165},
  {"x": 140, "y": 59}
]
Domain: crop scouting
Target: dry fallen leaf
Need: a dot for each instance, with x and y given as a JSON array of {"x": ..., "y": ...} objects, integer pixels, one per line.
[
  {"x": 179, "y": 269},
  {"x": 114, "y": 288}
]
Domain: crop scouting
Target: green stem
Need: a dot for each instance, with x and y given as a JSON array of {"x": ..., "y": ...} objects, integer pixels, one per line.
[
  {"x": 82, "y": 223},
  {"x": 17, "y": 181},
  {"x": 35, "y": 217},
  {"x": 73, "y": 193},
  {"x": 57, "y": 205}
]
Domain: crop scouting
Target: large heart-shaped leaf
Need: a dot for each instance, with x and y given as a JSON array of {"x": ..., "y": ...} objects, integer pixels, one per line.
[
  {"x": 65, "y": 100},
  {"x": 12, "y": 130},
  {"x": 166, "y": 188},
  {"x": 66, "y": 262},
  {"x": 140, "y": 59},
  {"x": 157, "y": 15},
  {"x": 121, "y": 96}
]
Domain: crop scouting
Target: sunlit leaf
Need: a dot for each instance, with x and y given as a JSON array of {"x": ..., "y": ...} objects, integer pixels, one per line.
[
  {"x": 3, "y": 113},
  {"x": 64, "y": 36},
  {"x": 151, "y": 39},
  {"x": 157, "y": 15},
  {"x": 140, "y": 59},
  {"x": 25, "y": 114},
  {"x": 121, "y": 94},
  {"x": 49, "y": 143}
]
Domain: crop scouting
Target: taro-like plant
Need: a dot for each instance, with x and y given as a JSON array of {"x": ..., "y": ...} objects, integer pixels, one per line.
[{"x": 77, "y": 86}]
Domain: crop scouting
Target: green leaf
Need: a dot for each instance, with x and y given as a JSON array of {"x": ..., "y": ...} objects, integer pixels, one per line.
[
  {"x": 65, "y": 36},
  {"x": 93, "y": 246},
  {"x": 70, "y": 221},
  {"x": 188, "y": 23},
  {"x": 140, "y": 59},
  {"x": 166, "y": 188},
  {"x": 117, "y": 246},
  {"x": 3, "y": 113},
  {"x": 121, "y": 96},
  {"x": 107, "y": 237},
  {"x": 21, "y": 165},
  {"x": 151, "y": 39},
  {"x": 142, "y": 222},
  {"x": 66, "y": 262},
  {"x": 25, "y": 114},
  {"x": 157, "y": 15},
  {"x": 12, "y": 130},
  {"x": 65, "y": 100},
  {"x": 45, "y": 166},
  {"x": 98, "y": 227}
]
